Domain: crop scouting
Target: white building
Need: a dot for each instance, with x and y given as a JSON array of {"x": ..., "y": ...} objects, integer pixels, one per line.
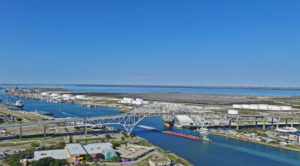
[{"x": 137, "y": 101}]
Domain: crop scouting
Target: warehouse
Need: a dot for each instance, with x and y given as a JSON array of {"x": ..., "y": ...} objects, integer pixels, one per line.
[{"x": 183, "y": 120}]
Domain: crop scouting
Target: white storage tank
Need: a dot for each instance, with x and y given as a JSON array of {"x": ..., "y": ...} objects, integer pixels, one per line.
[
  {"x": 245, "y": 106},
  {"x": 45, "y": 93},
  {"x": 253, "y": 106},
  {"x": 138, "y": 101},
  {"x": 233, "y": 112},
  {"x": 236, "y": 106},
  {"x": 55, "y": 95},
  {"x": 285, "y": 108},
  {"x": 80, "y": 97},
  {"x": 66, "y": 96}
]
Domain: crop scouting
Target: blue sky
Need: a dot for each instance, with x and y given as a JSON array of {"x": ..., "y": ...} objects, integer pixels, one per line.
[{"x": 169, "y": 42}]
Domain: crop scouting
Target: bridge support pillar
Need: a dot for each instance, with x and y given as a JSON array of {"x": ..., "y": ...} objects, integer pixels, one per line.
[
  {"x": 292, "y": 122},
  {"x": 229, "y": 123},
  {"x": 264, "y": 123},
  {"x": 45, "y": 132},
  {"x": 20, "y": 133},
  {"x": 255, "y": 122},
  {"x": 85, "y": 130},
  {"x": 277, "y": 124},
  {"x": 272, "y": 121},
  {"x": 237, "y": 124},
  {"x": 286, "y": 121}
]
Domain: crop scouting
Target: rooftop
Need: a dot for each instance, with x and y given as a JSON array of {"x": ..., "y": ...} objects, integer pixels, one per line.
[
  {"x": 184, "y": 118},
  {"x": 75, "y": 149},
  {"x": 56, "y": 154},
  {"x": 97, "y": 147},
  {"x": 133, "y": 151}
]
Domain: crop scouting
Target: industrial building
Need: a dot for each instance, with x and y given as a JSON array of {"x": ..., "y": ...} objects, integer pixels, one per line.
[{"x": 183, "y": 120}]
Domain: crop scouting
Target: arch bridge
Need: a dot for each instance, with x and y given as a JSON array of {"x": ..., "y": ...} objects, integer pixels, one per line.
[{"x": 130, "y": 119}]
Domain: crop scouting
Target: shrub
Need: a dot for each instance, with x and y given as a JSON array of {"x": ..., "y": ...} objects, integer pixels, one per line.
[{"x": 116, "y": 159}]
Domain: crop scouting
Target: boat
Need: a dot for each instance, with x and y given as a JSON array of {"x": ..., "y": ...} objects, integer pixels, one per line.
[
  {"x": 60, "y": 111},
  {"x": 202, "y": 131},
  {"x": 206, "y": 139},
  {"x": 18, "y": 104},
  {"x": 183, "y": 135},
  {"x": 167, "y": 125},
  {"x": 167, "y": 121}
]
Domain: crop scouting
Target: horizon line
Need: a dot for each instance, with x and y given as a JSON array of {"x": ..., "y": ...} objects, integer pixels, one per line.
[{"x": 168, "y": 86}]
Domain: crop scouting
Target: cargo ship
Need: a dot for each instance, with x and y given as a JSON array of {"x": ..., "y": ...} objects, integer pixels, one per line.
[
  {"x": 183, "y": 135},
  {"x": 17, "y": 104},
  {"x": 167, "y": 121}
]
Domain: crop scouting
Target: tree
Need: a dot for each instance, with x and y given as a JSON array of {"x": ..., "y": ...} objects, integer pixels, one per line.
[
  {"x": 115, "y": 145},
  {"x": 60, "y": 145},
  {"x": 107, "y": 136},
  {"x": 100, "y": 156},
  {"x": 88, "y": 158},
  {"x": 35, "y": 144},
  {"x": 123, "y": 138},
  {"x": 14, "y": 159},
  {"x": 48, "y": 161},
  {"x": 70, "y": 139},
  {"x": 44, "y": 161},
  {"x": 116, "y": 159},
  {"x": 132, "y": 134}
]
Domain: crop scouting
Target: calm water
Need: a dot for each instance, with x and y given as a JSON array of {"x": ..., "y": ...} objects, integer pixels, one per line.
[
  {"x": 223, "y": 151},
  {"x": 104, "y": 88}
]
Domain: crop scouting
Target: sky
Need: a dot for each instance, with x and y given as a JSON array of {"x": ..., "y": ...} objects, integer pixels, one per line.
[{"x": 151, "y": 42}]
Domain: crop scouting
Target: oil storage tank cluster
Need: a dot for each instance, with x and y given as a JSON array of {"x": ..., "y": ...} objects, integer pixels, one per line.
[
  {"x": 233, "y": 112},
  {"x": 262, "y": 107}
]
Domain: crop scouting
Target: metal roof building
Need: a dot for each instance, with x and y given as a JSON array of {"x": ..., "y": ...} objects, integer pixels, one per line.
[
  {"x": 184, "y": 120},
  {"x": 97, "y": 147},
  {"x": 56, "y": 154},
  {"x": 75, "y": 149}
]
